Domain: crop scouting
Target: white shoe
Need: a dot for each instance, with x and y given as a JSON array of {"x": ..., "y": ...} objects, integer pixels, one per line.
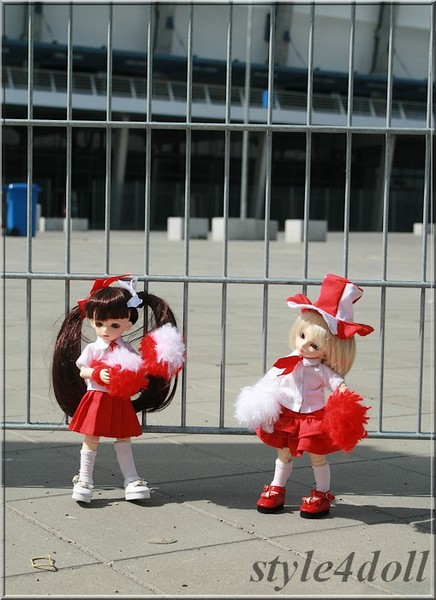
[
  {"x": 137, "y": 490},
  {"x": 82, "y": 490}
]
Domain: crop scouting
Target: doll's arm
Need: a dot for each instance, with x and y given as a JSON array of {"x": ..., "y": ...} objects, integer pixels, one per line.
[{"x": 86, "y": 372}]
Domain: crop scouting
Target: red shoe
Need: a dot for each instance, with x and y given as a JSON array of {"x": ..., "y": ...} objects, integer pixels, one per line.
[
  {"x": 272, "y": 499},
  {"x": 317, "y": 505}
]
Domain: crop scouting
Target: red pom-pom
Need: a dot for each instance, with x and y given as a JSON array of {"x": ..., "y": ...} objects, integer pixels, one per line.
[
  {"x": 149, "y": 356},
  {"x": 123, "y": 383},
  {"x": 345, "y": 419}
]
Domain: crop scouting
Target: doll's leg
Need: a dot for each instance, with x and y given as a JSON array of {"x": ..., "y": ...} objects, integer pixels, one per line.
[
  {"x": 83, "y": 482},
  {"x": 283, "y": 467},
  {"x": 321, "y": 472},
  {"x": 272, "y": 499},
  {"x": 318, "y": 503},
  {"x": 135, "y": 487}
]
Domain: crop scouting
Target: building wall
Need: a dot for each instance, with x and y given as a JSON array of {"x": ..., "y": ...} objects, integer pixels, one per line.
[{"x": 331, "y": 40}]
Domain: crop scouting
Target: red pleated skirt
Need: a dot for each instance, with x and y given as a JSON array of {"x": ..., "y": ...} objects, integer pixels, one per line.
[
  {"x": 300, "y": 432},
  {"x": 99, "y": 413}
]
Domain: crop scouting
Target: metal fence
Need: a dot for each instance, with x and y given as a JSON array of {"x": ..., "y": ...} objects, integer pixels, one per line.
[
  {"x": 421, "y": 285},
  {"x": 169, "y": 97}
]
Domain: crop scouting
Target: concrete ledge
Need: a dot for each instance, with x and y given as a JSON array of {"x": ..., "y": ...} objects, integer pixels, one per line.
[
  {"x": 197, "y": 228},
  {"x": 417, "y": 228},
  {"x": 294, "y": 231},
  {"x": 243, "y": 229},
  {"x": 60, "y": 224}
]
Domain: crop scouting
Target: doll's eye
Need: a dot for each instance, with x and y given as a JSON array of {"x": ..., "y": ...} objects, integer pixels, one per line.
[
  {"x": 315, "y": 347},
  {"x": 302, "y": 336},
  {"x": 115, "y": 325}
]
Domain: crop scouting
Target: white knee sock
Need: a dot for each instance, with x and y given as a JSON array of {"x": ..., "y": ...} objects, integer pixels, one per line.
[
  {"x": 322, "y": 477},
  {"x": 87, "y": 460},
  {"x": 126, "y": 461},
  {"x": 282, "y": 473}
]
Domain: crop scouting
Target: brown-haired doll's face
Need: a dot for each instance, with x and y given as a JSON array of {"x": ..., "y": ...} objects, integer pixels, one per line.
[{"x": 110, "y": 330}]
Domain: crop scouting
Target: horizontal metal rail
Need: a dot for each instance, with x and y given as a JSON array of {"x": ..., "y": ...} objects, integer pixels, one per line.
[
  {"x": 211, "y": 430},
  {"x": 204, "y": 126},
  {"x": 376, "y": 283}
]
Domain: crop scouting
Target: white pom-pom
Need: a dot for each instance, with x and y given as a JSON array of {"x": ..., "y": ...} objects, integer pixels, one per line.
[
  {"x": 130, "y": 361},
  {"x": 258, "y": 405},
  {"x": 170, "y": 347}
]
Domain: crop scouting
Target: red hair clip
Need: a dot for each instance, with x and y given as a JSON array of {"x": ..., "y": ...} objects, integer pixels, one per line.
[{"x": 98, "y": 285}]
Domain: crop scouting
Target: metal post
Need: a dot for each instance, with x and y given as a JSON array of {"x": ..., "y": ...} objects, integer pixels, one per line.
[{"x": 245, "y": 135}]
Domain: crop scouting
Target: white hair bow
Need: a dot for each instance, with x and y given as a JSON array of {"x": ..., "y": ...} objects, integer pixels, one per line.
[{"x": 130, "y": 286}]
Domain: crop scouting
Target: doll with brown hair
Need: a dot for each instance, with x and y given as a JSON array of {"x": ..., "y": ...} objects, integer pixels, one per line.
[
  {"x": 288, "y": 409},
  {"x": 95, "y": 385}
]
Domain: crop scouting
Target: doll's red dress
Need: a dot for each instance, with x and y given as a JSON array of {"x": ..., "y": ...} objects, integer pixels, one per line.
[{"x": 100, "y": 413}]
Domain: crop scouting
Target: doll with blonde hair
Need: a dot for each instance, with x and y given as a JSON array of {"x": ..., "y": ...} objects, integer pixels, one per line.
[{"x": 288, "y": 409}]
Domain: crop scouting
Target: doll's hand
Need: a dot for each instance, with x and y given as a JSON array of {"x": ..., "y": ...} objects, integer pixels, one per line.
[
  {"x": 105, "y": 376},
  {"x": 100, "y": 374}
]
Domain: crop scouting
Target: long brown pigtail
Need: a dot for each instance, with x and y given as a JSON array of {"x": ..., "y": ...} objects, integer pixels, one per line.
[{"x": 68, "y": 386}]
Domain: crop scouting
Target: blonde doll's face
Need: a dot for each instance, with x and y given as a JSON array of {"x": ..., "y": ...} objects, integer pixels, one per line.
[
  {"x": 110, "y": 329},
  {"x": 306, "y": 344}
]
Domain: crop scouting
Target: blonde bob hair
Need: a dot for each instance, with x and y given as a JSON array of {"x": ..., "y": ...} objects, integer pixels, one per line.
[{"x": 339, "y": 353}]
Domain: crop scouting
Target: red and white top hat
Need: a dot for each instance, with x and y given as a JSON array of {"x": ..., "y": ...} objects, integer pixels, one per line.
[{"x": 335, "y": 304}]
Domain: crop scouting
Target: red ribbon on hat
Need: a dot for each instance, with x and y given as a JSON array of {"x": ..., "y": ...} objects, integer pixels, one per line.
[{"x": 98, "y": 285}]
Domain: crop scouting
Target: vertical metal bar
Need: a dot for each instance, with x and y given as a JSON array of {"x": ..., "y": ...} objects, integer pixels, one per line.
[
  {"x": 421, "y": 336},
  {"x": 428, "y": 183},
  {"x": 68, "y": 166},
  {"x": 108, "y": 176},
  {"x": 30, "y": 65},
  {"x": 188, "y": 140},
  {"x": 308, "y": 164},
  {"x": 429, "y": 164},
  {"x": 188, "y": 152},
  {"x": 349, "y": 140},
  {"x": 383, "y": 291},
  {"x": 148, "y": 159},
  {"x": 3, "y": 334},
  {"x": 309, "y": 100},
  {"x": 390, "y": 77},
  {"x": 245, "y": 133},
  {"x": 148, "y": 138},
  {"x": 382, "y": 356},
  {"x": 386, "y": 189},
  {"x": 226, "y": 193},
  {"x": 268, "y": 183}
]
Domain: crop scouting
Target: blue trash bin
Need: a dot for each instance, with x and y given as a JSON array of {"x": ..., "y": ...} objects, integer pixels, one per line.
[{"x": 16, "y": 208}]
